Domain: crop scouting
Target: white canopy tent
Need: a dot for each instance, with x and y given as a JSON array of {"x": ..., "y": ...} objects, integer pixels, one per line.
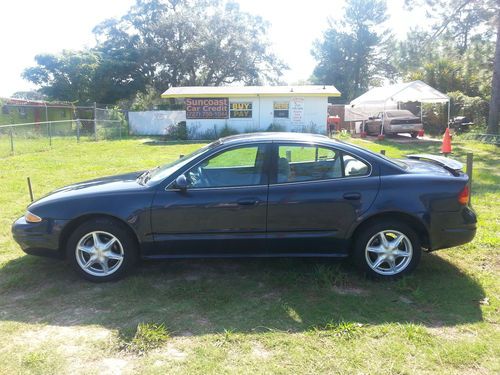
[{"x": 380, "y": 99}]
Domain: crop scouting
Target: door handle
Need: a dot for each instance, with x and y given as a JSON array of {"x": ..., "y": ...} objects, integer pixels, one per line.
[
  {"x": 352, "y": 196},
  {"x": 248, "y": 202}
]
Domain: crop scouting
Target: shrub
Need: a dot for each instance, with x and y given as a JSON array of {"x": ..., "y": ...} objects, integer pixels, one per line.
[
  {"x": 147, "y": 337},
  {"x": 178, "y": 131},
  {"x": 276, "y": 128},
  {"x": 227, "y": 131}
]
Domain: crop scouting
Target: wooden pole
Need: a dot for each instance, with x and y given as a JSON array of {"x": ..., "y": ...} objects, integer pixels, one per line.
[
  {"x": 11, "y": 140},
  {"x": 470, "y": 162},
  {"x": 30, "y": 189}
]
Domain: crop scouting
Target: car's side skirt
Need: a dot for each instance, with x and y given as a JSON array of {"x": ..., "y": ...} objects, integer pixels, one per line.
[{"x": 236, "y": 255}]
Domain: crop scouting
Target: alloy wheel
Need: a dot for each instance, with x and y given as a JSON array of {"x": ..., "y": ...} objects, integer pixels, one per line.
[
  {"x": 388, "y": 252},
  {"x": 99, "y": 253}
]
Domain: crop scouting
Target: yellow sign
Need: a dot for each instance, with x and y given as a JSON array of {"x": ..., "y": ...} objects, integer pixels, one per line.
[
  {"x": 241, "y": 106},
  {"x": 281, "y": 105}
]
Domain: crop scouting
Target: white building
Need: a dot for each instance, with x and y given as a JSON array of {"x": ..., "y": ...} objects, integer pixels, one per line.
[{"x": 254, "y": 108}]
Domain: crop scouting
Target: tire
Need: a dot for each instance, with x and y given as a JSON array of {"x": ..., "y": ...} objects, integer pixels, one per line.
[
  {"x": 395, "y": 262},
  {"x": 115, "y": 255}
]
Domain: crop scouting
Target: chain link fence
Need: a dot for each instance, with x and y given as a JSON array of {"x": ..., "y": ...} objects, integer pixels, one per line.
[{"x": 89, "y": 124}]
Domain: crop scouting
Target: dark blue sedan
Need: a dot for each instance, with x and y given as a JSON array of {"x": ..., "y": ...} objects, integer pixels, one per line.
[{"x": 258, "y": 195}]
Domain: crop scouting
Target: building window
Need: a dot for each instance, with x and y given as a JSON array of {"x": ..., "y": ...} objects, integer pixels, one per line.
[
  {"x": 281, "y": 110},
  {"x": 240, "y": 110},
  {"x": 22, "y": 112}
]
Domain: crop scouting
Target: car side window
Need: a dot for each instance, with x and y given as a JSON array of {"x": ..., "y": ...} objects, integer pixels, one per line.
[
  {"x": 307, "y": 163},
  {"x": 354, "y": 167},
  {"x": 235, "y": 167}
]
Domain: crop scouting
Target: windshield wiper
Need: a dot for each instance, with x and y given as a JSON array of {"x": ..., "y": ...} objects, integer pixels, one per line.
[{"x": 146, "y": 176}]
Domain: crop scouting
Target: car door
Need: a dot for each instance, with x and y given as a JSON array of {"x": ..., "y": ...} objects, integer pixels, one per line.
[
  {"x": 316, "y": 194},
  {"x": 222, "y": 211}
]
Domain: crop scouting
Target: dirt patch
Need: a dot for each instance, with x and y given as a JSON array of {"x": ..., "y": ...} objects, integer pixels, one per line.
[
  {"x": 349, "y": 290},
  {"x": 260, "y": 352},
  {"x": 112, "y": 366}
]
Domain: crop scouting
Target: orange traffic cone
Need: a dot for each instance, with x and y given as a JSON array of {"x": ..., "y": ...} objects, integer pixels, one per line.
[{"x": 446, "y": 146}]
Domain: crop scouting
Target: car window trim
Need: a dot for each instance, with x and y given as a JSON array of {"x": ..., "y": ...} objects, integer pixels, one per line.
[
  {"x": 265, "y": 166},
  {"x": 275, "y": 156}
]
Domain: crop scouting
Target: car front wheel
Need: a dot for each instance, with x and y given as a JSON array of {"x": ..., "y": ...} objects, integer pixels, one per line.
[
  {"x": 387, "y": 250},
  {"x": 101, "y": 249}
]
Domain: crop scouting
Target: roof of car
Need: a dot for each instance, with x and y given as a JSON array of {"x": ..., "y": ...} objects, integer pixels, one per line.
[{"x": 275, "y": 136}]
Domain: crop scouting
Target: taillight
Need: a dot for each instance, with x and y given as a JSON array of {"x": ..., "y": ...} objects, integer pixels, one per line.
[{"x": 463, "y": 196}]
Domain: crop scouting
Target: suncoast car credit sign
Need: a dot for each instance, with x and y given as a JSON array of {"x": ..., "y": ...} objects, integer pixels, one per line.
[{"x": 207, "y": 108}]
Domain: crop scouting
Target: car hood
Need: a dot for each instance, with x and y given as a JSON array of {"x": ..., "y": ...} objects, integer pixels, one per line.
[{"x": 99, "y": 186}]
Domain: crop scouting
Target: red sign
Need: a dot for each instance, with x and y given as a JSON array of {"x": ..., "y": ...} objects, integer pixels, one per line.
[{"x": 207, "y": 108}]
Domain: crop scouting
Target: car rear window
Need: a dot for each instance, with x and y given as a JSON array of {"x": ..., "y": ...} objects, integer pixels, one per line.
[{"x": 399, "y": 113}]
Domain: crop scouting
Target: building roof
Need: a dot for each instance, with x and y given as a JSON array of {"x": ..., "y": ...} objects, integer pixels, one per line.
[
  {"x": 225, "y": 91},
  {"x": 33, "y": 103}
]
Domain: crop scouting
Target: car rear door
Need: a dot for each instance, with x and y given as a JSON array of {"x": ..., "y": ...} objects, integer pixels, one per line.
[
  {"x": 223, "y": 211},
  {"x": 316, "y": 194}
]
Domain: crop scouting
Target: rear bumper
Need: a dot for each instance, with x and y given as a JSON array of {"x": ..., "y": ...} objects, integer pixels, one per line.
[
  {"x": 450, "y": 229},
  {"x": 403, "y": 128},
  {"x": 39, "y": 238}
]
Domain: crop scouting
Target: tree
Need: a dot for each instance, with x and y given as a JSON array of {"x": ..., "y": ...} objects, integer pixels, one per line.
[
  {"x": 354, "y": 54},
  {"x": 461, "y": 20},
  {"x": 186, "y": 42},
  {"x": 29, "y": 95},
  {"x": 159, "y": 44},
  {"x": 68, "y": 76}
]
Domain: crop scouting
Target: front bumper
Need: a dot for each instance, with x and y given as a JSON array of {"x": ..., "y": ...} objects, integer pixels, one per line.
[
  {"x": 39, "y": 238},
  {"x": 450, "y": 229}
]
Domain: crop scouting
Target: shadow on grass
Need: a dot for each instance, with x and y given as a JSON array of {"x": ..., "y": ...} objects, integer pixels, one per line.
[{"x": 196, "y": 297}]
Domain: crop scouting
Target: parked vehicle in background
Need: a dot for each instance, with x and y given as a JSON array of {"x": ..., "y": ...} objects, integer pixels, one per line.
[
  {"x": 394, "y": 122},
  {"x": 461, "y": 124},
  {"x": 261, "y": 194}
]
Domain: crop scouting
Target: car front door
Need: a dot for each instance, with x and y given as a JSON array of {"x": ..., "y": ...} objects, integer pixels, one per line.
[
  {"x": 315, "y": 196},
  {"x": 222, "y": 211}
]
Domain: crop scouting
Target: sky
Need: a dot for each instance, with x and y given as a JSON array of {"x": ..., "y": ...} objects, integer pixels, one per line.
[{"x": 31, "y": 27}]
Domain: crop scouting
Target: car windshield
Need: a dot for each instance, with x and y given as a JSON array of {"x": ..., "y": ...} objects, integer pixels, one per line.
[
  {"x": 399, "y": 113},
  {"x": 160, "y": 173}
]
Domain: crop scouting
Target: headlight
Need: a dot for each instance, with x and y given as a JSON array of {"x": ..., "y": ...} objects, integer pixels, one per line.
[{"x": 32, "y": 218}]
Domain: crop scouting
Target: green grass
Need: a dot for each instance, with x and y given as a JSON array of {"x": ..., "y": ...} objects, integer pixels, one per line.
[{"x": 245, "y": 315}]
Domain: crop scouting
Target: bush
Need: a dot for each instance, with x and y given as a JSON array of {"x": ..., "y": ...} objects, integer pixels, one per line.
[
  {"x": 178, "y": 131},
  {"x": 147, "y": 337},
  {"x": 227, "y": 131},
  {"x": 473, "y": 107},
  {"x": 276, "y": 128}
]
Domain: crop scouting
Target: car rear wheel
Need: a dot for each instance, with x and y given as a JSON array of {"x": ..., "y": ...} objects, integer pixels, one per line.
[
  {"x": 102, "y": 249},
  {"x": 387, "y": 250},
  {"x": 414, "y": 135}
]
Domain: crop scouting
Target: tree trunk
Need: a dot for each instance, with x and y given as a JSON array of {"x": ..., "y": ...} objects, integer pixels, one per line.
[{"x": 494, "y": 114}]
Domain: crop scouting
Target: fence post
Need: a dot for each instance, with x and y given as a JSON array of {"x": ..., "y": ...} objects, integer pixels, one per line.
[
  {"x": 50, "y": 134},
  {"x": 382, "y": 152},
  {"x": 470, "y": 157},
  {"x": 95, "y": 121},
  {"x": 11, "y": 140},
  {"x": 77, "y": 130},
  {"x": 120, "y": 129}
]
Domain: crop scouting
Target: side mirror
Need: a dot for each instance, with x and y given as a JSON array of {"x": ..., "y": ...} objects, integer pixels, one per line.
[{"x": 181, "y": 183}]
